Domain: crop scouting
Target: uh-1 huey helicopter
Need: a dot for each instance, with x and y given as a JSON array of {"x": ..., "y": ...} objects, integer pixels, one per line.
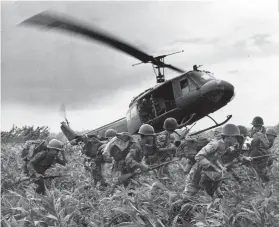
[{"x": 187, "y": 98}]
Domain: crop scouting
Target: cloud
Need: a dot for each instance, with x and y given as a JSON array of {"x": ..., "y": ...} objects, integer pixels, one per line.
[
  {"x": 41, "y": 70},
  {"x": 233, "y": 71}
]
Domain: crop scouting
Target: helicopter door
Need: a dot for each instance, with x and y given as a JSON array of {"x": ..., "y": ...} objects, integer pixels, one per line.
[
  {"x": 163, "y": 99},
  {"x": 133, "y": 119}
]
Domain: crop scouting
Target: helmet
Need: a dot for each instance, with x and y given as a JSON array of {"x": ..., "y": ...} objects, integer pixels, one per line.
[
  {"x": 230, "y": 130},
  {"x": 110, "y": 133},
  {"x": 170, "y": 124},
  {"x": 243, "y": 130},
  {"x": 146, "y": 130},
  {"x": 271, "y": 132},
  {"x": 55, "y": 144},
  {"x": 257, "y": 121}
]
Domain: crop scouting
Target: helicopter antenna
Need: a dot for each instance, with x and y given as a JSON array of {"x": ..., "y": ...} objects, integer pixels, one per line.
[{"x": 159, "y": 64}]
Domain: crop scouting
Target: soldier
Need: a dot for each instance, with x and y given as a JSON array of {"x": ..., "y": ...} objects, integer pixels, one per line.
[
  {"x": 30, "y": 149},
  {"x": 189, "y": 149},
  {"x": 257, "y": 126},
  {"x": 235, "y": 154},
  {"x": 97, "y": 161},
  {"x": 163, "y": 148},
  {"x": 271, "y": 135},
  {"x": 43, "y": 161},
  {"x": 259, "y": 147},
  {"x": 127, "y": 153},
  {"x": 207, "y": 171}
]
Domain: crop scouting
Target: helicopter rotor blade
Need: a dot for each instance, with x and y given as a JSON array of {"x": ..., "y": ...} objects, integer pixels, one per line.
[
  {"x": 47, "y": 19},
  {"x": 170, "y": 67}
]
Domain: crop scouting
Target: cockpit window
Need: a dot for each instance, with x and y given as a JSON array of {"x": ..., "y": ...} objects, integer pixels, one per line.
[{"x": 201, "y": 77}]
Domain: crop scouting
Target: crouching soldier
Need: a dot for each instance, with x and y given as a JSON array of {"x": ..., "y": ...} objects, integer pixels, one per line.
[
  {"x": 207, "y": 172},
  {"x": 189, "y": 149},
  {"x": 234, "y": 155},
  {"x": 127, "y": 154},
  {"x": 43, "y": 161}
]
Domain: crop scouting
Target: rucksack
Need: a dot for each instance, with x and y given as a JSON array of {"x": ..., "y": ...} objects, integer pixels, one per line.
[
  {"x": 31, "y": 148},
  {"x": 90, "y": 148},
  {"x": 191, "y": 146}
]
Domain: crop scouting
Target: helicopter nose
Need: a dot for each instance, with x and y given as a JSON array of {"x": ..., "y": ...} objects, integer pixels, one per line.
[{"x": 215, "y": 90}]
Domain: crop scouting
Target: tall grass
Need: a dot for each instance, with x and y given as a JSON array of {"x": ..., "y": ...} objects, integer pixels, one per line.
[{"x": 74, "y": 201}]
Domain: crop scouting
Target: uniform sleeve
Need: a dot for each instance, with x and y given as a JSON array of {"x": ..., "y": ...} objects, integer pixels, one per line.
[
  {"x": 134, "y": 157},
  {"x": 62, "y": 161},
  {"x": 108, "y": 147},
  {"x": 35, "y": 160},
  {"x": 205, "y": 152},
  {"x": 264, "y": 141}
]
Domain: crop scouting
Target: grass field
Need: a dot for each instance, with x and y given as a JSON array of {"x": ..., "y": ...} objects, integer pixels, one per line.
[{"x": 73, "y": 201}]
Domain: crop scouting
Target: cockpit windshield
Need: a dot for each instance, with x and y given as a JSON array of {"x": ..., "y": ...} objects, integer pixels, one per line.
[{"x": 201, "y": 77}]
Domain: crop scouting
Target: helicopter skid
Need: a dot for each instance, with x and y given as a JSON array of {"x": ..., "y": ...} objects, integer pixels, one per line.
[{"x": 214, "y": 126}]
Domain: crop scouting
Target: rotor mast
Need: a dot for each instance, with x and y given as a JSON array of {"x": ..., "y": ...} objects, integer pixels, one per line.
[{"x": 159, "y": 63}]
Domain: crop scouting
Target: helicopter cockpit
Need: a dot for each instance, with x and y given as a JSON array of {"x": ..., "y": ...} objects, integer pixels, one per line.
[{"x": 200, "y": 77}]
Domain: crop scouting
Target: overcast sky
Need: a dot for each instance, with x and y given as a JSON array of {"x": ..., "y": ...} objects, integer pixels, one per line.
[{"x": 237, "y": 40}]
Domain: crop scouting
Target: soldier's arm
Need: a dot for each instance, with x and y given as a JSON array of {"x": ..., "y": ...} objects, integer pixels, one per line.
[
  {"x": 206, "y": 151},
  {"x": 35, "y": 160},
  {"x": 106, "y": 153},
  {"x": 264, "y": 140},
  {"x": 131, "y": 158},
  {"x": 62, "y": 161}
]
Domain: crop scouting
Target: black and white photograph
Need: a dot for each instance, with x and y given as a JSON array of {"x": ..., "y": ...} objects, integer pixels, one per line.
[{"x": 140, "y": 113}]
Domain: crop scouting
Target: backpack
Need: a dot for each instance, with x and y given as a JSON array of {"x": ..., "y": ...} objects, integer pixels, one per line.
[
  {"x": 191, "y": 146},
  {"x": 31, "y": 148},
  {"x": 90, "y": 148}
]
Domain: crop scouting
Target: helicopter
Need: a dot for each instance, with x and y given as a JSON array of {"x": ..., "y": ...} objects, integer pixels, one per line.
[{"x": 188, "y": 97}]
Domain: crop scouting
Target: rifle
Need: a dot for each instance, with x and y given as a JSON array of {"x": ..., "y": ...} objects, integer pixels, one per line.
[
  {"x": 38, "y": 178},
  {"x": 125, "y": 177},
  {"x": 262, "y": 156}
]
